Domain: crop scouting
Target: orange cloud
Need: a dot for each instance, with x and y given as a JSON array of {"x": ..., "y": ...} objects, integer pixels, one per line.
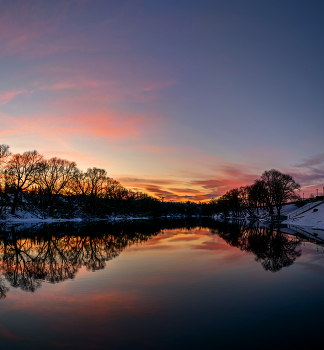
[
  {"x": 132, "y": 181},
  {"x": 184, "y": 190},
  {"x": 228, "y": 177}
]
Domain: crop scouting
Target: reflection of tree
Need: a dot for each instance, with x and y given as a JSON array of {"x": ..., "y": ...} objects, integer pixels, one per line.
[
  {"x": 279, "y": 251},
  {"x": 273, "y": 249},
  {"x": 54, "y": 253},
  {"x": 27, "y": 262},
  {"x": 3, "y": 289}
]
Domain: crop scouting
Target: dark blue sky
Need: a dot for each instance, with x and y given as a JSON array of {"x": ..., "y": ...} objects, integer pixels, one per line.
[{"x": 168, "y": 96}]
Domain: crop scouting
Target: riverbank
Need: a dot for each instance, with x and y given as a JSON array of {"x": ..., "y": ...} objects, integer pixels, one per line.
[
  {"x": 27, "y": 217},
  {"x": 311, "y": 218}
]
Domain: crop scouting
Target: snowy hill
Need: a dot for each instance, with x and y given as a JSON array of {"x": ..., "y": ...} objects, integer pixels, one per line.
[{"x": 313, "y": 217}]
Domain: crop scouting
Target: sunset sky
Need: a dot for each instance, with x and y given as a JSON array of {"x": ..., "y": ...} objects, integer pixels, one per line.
[{"x": 183, "y": 99}]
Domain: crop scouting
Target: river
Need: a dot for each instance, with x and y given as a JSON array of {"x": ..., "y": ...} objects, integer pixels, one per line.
[{"x": 163, "y": 284}]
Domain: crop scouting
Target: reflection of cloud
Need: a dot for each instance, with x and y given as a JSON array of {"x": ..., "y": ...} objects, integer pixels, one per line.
[
  {"x": 160, "y": 237},
  {"x": 184, "y": 238},
  {"x": 158, "y": 247},
  {"x": 312, "y": 267},
  {"x": 212, "y": 245},
  {"x": 6, "y": 333}
]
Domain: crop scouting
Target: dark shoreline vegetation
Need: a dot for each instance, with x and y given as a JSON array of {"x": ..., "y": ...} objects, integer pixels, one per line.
[
  {"x": 55, "y": 252},
  {"x": 56, "y": 188}
]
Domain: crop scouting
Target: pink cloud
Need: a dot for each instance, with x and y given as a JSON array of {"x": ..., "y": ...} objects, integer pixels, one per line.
[
  {"x": 7, "y": 96},
  {"x": 25, "y": 28},
  {"x": 160, "y": 85},
  {"x": 109, "y": 124},
  {"x": 86, "y": 87}
]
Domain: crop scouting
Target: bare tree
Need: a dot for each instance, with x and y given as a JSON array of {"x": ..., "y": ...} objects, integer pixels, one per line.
[
  {"x": 281, "y": 188},
  {"x": 258, "y": 194},
  {"x": 20, "y": 173},
  {"x": 247, "y": 202},
  {"x": 4, "y": 154},
  {"x": 89, "y": 186},
  {"x": 53, "y": 177}
]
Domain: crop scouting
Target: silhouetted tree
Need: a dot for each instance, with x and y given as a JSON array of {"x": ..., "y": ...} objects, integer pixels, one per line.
[
  {"x": 281, "y": 188},
  {"x": 57, "y": 187},
  {"x": 53, "y": 177},
  {"x": 231, "y": 201},
  {"x": 4, "y": 153},
  {"x": 257, "y": 194},
  {"x": 89, "y": 187},
  {"x": 20, "y": 173}
]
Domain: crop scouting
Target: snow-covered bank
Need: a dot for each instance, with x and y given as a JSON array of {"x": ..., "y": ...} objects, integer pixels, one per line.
[
  {"x": 311, "y": 218},
  {"x": 258, "y": 214},
  {"x": 27, "y": 217}
]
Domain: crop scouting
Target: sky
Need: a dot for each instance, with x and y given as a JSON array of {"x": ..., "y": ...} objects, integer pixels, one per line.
[{"x": 180, "y": 99}]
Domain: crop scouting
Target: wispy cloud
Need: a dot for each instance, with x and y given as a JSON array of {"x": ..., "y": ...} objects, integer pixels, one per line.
[
  {"x": 193, "y": 189},
  {"x": 132, "y": 181},
  {"x": 104, "y": 124},
  {"x": 159, "y": 85},
  {"x": 7, "y": 96},
  {"x": 311, "y": 161}
]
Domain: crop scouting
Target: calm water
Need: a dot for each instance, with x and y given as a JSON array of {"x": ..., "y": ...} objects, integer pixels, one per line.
[{"x": 160, "y": 285}]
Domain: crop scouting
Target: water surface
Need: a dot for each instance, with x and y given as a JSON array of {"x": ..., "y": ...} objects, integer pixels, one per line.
[{"x": 160, "y": 285}]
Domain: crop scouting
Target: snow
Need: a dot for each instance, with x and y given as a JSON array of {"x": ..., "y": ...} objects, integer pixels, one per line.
[
  {"x": 310, "y": 218},
  {"x": 26, "y": 217},
  {"x": 289, "y": 208}
]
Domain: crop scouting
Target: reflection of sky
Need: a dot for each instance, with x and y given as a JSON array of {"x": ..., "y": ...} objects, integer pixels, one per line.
[
  {"x": 180, "y": 289},
  {"x": 176, "y": 98}
]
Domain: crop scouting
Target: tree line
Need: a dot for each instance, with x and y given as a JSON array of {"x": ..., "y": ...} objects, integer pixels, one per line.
[
  {"x": 58, "y": 188},
  {"x": 272, "y": 190}
]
